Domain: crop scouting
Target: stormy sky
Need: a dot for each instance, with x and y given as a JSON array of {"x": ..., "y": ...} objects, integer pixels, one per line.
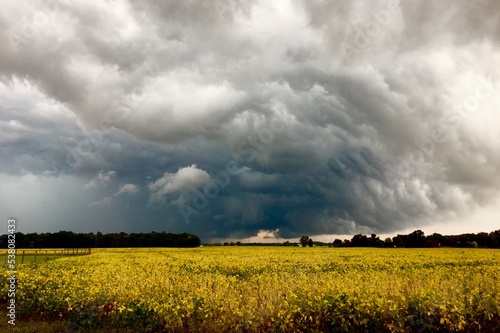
[{"x": 234, "y": 119}]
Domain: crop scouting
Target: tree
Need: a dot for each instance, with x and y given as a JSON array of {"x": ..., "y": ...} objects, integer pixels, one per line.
[
  {"x": 375, "y": 240},
  {"x": 337, "y": 243},
  {"x": 360, "y": 240},
  {"x": 415, "y": 239},
  {"x": 310, "y": 242},
  {"x": 303, "y": 240},
  {"x": 398, "y": 241}
]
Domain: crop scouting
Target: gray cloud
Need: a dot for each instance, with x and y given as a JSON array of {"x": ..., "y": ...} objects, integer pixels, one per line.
[
  {"x": 103, "y": 179},
  {"x": 128, "y": 189},
  {"x": 102, "y": 203},
  {"x": 338, "y": 117}
]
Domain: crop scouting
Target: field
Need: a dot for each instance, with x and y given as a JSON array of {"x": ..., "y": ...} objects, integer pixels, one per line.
[{"x": 264, "y": 289}]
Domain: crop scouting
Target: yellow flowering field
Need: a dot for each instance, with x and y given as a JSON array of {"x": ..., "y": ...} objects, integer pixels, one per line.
[{"x": 267, "y": 289}]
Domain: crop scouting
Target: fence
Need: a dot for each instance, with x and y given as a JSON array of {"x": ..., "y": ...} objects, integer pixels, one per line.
[{"x": 45, "y": 254}]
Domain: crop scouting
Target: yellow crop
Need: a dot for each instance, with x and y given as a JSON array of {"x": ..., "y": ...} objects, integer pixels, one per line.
[{"x": 268, "y": 289}]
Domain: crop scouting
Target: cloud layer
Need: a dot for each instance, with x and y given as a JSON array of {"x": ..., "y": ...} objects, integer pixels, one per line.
[{"x": 298, "y": 116}]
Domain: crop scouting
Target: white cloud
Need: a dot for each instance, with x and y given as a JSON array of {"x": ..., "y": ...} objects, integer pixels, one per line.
[
  {"x": 102, "y": 179},
  {"x": 180, "y": 183},
  {"x": 49, "y": 173},
  {"x": 128, "y": 189},
  {"x": 263, "y": 236}
]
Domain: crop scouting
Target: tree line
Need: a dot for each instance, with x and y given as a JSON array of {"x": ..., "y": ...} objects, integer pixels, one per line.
[
  {"x": 69, "y": 239},
  {"x": 417, "y": 238}
]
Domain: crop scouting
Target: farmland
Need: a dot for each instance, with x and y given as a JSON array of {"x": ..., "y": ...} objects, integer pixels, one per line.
[{"x": 266, "y": 289}]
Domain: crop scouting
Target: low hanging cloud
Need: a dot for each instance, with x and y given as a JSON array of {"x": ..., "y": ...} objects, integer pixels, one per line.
[
  {"x": 388, "y": 110},
  {"x": 106, "y": 202},
  {"x": 128, "y": 189},
  {"x": 179, "y": 184},
  {"x": 103, "y": 179}
]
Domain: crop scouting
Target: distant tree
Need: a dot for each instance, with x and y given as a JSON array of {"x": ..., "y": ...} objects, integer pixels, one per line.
[
  {"x": 375, "y": 241},
  {"x": 337, "y": 243},
  {"x": 398, "y": 241},
  {"x": 432, "y": 243},
  {"x": 494, "y": 240},
  {"x": 303, "y": 240},
  {"x": 310, "y": 242},
  {"x": 473, "y": 244},
  {"x": 360, "y": 240},
  {"x": 415, "y": 239},
  {"x": 482, "y": 239},
  {"x": 388, "y": 242},
  {"x": 437, "y": 237},
  {"x": 39, "y": 240}
]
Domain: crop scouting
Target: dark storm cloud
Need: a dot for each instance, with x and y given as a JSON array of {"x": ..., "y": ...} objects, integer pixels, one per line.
[{"x": 227, "y": 118}]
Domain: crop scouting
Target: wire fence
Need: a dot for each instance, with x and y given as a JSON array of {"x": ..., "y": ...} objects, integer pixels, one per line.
[{"x": 39, "y": 255}]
